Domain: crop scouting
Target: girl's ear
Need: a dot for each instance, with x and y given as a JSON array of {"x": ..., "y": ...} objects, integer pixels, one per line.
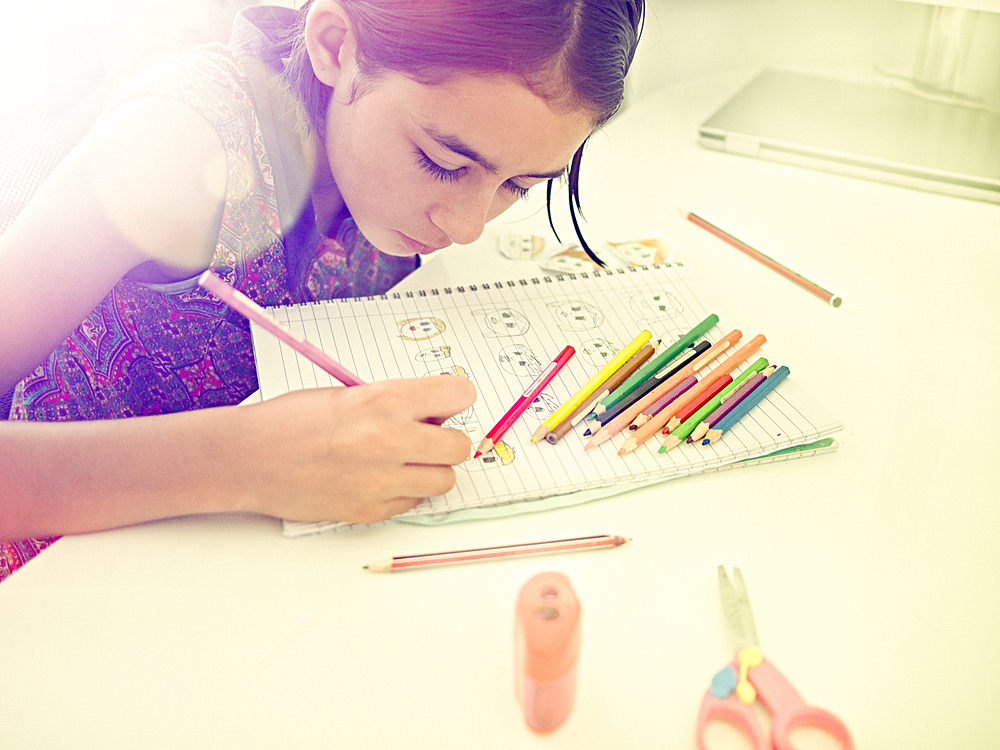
[{"x": 330, "y": 41}]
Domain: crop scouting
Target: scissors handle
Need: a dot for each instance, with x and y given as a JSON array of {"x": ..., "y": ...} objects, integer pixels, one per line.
[
  {"x": 788, "y": 710},
  {"x": 733, "y": 711},
  {"x": 780, "y": 698}
]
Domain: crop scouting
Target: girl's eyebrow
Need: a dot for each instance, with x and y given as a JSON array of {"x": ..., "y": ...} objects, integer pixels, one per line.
[{"x": 459, "y": 147}]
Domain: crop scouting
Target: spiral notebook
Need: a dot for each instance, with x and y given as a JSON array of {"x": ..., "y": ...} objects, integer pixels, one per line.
[{"x": 501, "y": 335}]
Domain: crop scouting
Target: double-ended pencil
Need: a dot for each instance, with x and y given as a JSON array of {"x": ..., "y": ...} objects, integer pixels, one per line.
[{"x": 479, "y": 554}]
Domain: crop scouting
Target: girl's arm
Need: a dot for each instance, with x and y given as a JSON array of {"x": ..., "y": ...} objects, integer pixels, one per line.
[
  {"x": 358, "y": 454},
  {"x": 142, "y": 193}
]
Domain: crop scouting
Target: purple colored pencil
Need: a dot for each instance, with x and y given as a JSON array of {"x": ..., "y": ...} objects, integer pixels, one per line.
[
  {"x": 741, "y": 393},
  {"x": 662, "y": 401}
]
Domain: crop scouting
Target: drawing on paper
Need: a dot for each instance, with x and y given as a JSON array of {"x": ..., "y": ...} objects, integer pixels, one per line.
[
  {"x": 520, "y": 360},
  {"x": 435, "y": 354},
  {"x": 655, "y": 305},
  {"x": 503, "y": 322},
  {"x": 418, "y": 329},
  {"x": 576, "y": 315},
  {"x": 597, "y": 352}
]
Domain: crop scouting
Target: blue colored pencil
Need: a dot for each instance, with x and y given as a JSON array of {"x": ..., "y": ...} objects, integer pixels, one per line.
[{"x": 759, "y": 394}]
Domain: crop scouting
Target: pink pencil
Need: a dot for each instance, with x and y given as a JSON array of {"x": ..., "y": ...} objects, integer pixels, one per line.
[
  {"x": 252, "y": 311},
  {"x": 522, "y": 403}
]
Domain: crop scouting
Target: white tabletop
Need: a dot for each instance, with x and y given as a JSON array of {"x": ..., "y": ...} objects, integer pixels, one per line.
[{"x": 874, "y": 571}]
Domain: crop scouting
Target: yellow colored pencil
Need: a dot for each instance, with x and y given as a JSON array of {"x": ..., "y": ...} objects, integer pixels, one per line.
[{"x": 592, "y": 385}]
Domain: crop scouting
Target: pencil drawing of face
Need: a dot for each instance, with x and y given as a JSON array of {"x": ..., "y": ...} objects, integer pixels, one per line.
[
  {"x": 505, "y": 322},
  {"x": 576, "y": 315},
  {"x": 436, "y": 354},
  {"x": 416, "y": 329},
  {"x": 598, "y": 351},
  {"x": 655, "y": 306},
  {"x": 518, "y": 359}
]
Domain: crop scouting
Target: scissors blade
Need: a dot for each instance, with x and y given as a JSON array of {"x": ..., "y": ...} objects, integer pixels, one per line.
[{"x": 736, "y": 607}]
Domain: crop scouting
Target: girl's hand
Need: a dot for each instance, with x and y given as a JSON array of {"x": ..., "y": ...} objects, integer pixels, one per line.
[{"x": 360, "y": 454}]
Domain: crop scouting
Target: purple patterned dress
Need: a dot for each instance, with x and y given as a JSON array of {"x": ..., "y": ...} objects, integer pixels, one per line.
[{"x": 153, "y": 349}]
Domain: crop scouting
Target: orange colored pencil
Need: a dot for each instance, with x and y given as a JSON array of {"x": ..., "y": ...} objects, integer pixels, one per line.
[
  {"x": 624, "y": 419},
  {"x": 660, "y": 420}
]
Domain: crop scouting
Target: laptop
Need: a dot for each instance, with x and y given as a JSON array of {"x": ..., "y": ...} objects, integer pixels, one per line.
[{"x": 864, "y": 130}]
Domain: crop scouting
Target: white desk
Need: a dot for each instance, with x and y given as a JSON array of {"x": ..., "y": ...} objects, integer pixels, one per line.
[{"x": 874, "y": 571}]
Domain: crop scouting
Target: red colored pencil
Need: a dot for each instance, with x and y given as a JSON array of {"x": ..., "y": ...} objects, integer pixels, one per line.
[{"x": 522, "y": 403}]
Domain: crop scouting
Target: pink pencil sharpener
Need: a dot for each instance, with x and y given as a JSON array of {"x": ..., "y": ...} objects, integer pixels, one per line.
[{"x": 547, "y": 642}]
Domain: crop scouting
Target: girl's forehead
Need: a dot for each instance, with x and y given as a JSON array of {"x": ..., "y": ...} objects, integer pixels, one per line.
[{"x": 493, "y": 119}]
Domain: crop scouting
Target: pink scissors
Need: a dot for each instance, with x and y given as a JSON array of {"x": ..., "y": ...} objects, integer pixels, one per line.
[{"x": 750, "y": 677}]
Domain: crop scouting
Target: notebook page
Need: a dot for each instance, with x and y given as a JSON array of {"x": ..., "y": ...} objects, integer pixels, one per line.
[{"x": 501, "y": 335}]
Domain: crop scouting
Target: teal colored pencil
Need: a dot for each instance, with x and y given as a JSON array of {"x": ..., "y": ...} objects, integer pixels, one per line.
[
  {"x": 758, "y": 395},
  {"x": 689, "y": 425},
  {"x": 653, "y": 366}
]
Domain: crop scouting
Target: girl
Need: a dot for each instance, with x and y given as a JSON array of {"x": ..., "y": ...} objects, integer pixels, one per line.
[{"x": 318, "y": 155}]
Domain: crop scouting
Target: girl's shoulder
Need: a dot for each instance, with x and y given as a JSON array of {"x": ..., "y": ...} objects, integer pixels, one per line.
[{"x": 209, "y": 79}]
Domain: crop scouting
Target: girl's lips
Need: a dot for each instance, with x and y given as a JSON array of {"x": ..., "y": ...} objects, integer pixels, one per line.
[{"x": 418, "y": 247}]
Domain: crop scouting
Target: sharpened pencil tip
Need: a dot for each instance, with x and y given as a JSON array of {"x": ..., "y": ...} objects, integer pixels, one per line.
[{"x": 477, "y": 454}]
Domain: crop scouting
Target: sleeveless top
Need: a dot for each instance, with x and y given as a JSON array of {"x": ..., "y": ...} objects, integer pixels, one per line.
[{"x": 160, "y": 348}]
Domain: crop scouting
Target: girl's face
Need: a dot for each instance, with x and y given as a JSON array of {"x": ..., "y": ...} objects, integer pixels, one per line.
[{"x": 422, "y": 166}]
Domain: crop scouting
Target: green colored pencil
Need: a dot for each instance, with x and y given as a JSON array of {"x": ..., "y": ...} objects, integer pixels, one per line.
[
  {"x": 679, "y": 435},
  {"x": 653, "y": 366}
]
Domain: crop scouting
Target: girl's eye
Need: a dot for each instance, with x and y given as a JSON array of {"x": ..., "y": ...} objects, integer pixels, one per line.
[
  {"x": 436, "y": 170},
  {"x": 452, "y": 175},
  {"x": 512, "y": 187}
]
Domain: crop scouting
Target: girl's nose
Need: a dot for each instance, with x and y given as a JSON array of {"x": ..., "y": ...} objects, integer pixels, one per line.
[{"x": 463, "y": 218}]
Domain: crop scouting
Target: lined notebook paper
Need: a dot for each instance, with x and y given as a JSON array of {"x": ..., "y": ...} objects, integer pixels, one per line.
[{"x": 501, "y": 335}]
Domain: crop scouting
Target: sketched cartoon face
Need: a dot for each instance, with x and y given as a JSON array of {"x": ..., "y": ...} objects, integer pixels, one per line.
[
  {"x": 435, "y": 354},
  {"x": 518, "y": 359},
  {"x": 506, "y": 322},
  {"x": 598, "y": 351},
  {"x": 576, "y": 315},
  {"x": 521, "y": 246},
  {"x": 416, "y": 329},
  {"x": 655, "y": 305}
]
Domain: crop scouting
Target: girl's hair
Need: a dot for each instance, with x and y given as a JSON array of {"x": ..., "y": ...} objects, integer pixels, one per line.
[{"x": 573, "y": 50}]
